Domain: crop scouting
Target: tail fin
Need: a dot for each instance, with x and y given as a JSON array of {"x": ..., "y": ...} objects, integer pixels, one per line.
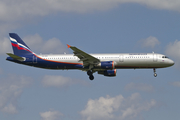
[{"x": 19, "y": 47}]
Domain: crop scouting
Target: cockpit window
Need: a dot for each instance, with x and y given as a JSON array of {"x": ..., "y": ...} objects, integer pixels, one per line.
[{"x": 164, "y": 57}]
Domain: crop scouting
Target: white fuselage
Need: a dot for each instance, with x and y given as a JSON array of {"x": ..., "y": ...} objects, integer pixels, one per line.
[{"x": 130, "y": 60}]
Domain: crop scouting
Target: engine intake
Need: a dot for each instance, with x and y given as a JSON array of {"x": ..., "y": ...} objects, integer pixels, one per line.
[
  {"x": 109, "y": 73},
  {"x": 106, "y": 65}
]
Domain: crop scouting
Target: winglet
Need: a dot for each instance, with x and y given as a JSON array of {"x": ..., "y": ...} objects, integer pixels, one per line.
[{"x": 68, "y": 46}]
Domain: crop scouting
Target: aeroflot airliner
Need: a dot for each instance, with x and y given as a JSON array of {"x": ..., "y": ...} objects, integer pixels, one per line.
[{"x": 104, "y": 64}]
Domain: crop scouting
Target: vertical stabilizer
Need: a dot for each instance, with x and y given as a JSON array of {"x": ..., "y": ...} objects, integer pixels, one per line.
[{"x": 19, "y": 47}]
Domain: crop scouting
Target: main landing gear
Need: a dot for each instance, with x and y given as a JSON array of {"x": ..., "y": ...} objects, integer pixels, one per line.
[
  {"x": 90, "y": 74},
  {"x": 155, "y": 74}
]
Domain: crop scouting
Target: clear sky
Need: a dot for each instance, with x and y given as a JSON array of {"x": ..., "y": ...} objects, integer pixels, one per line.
[{"x": 94, "y": 26}]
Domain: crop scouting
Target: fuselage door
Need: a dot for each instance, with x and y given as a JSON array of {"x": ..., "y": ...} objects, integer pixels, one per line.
[
  {"x": 121, "y": 58},
  {"x": 155, "y": 57},
  {"x": 34, "y": 59}
]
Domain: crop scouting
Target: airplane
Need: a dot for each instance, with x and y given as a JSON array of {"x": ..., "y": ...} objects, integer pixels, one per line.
[{"x": 104, "y": 64}]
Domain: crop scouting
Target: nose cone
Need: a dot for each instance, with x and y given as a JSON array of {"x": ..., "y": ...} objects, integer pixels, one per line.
[{"x": 171, "y": 62}]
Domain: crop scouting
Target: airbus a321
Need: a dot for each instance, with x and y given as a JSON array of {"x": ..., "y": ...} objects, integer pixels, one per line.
[{"x": 104, "y": 64}]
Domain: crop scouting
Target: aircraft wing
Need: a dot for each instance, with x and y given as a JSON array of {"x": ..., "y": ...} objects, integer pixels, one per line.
[{"x": 87, "y": 59}]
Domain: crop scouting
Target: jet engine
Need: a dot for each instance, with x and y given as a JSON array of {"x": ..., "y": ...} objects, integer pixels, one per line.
[
  {"x": 106, "y": 65},
  {"x": 109, "y": 73}
]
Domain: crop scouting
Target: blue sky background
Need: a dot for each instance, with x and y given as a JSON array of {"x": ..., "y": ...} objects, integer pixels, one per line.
[{"x": 94, "y": 27}]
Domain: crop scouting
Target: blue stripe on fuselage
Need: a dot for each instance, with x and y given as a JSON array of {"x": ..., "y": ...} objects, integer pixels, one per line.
[{"x": 32, "y": 60}]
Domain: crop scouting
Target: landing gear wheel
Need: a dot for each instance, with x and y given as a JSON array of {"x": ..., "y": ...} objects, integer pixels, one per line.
[
  {"x": 91, "y": 77},
  {"x": 155, "y": 75},
  {"x": 90, "y": 74}
]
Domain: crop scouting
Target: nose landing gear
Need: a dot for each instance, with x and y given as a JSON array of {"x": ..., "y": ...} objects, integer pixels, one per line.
[{"x": 155, "y": 74}]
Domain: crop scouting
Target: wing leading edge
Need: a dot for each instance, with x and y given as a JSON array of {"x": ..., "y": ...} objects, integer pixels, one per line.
[{"x": 87, "y": 59}]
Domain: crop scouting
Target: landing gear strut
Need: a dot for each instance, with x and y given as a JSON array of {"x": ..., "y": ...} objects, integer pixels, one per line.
[
  {"x": 90, "y": 74},
  {"x": 155, "y": 74}
]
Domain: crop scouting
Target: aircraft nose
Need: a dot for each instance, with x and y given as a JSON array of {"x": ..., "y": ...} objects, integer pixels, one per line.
[{"x": 171, "y": 62}]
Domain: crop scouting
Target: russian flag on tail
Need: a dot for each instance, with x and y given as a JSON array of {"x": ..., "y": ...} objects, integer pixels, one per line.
[{"x": 19, "y": 47}]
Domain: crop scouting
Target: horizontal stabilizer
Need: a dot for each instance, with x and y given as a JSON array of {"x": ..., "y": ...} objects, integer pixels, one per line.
[{"x": 15, "y": 57}]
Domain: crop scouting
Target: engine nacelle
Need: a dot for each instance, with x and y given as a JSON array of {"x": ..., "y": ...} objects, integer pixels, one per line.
[
  {"x": 109, "y": 73},
  {"x": 106, "y": 65}
]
